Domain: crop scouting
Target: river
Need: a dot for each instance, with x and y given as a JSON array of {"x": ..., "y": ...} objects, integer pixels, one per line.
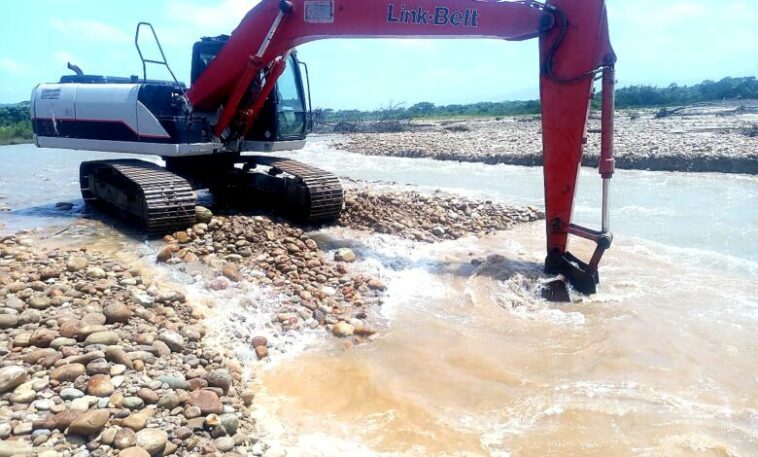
[{"x": 662, "y": 361}]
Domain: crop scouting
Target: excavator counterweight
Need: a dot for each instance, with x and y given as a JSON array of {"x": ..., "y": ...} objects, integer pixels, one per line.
[{"x": 247, "y": 94}]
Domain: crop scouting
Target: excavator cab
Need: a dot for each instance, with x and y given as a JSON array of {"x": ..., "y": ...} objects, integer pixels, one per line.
[{"x": 284, "y": 120}]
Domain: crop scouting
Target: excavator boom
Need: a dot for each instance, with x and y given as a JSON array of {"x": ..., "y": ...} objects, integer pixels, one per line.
[{"x": 574, "y": 49}]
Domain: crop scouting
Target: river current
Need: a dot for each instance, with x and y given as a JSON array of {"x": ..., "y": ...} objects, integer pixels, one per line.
[{"x": 662, "y": 361}]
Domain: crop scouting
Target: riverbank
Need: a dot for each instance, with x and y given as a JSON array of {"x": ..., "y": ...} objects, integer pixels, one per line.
[
  {"x": 104, "y": 351},
  {"x": 15, "y": 140},
  {"x": 702, "y": 140}
]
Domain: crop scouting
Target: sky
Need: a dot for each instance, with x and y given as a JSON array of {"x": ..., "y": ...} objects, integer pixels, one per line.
[{"x": 657, "y": 41}]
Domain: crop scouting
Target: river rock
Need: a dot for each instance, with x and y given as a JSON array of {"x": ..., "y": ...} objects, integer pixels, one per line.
[
  {"x": 138, "y": 421},
  {"x": 203, "y": 214},
  {"x": 15, "y": 448},
  {"x": 90, "y": 422},
  {"x": 219, "y": 378},
  {"x": 231, "y": 271},
  {"x": 224, "y": 444},
  {"x": 39, "y": 302},
  {"x": 230, "y": 422},
  {"x": 63, "y": 419},
  {"x": 133, "y": 403},
  {"x": 8, "y": 321},
  {"x": 134, "y": 452},
  {"x": 68, "y": 372},
  {"x": 173, "y": 340},
  {"x": 125, "y": 438},
  {"x": 119, "y": 356},
  {"x": 106, "y": 338},
  {"x": 174, "y": 381},
  {"x": 206, "y": 400},
  {"x": 42, "y": 337},
  {"x": 259, "y": 341},
  {"x": 169, "y": 401},
  {"x": 76, "y": 263},
  {"x": 11, "y": 377},
  {"x": 70, "y": 393},
  {"x": 100, "y": 385},
  {"x": 345, "y": 255},
  {"x": 117, "y": 313},
  {"x": 152, "y": 440},
  {"x": 342, "y": 329}
]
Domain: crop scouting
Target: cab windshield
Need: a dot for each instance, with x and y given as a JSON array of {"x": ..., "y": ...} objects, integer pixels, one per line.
[{"x": 291, "y": 106}]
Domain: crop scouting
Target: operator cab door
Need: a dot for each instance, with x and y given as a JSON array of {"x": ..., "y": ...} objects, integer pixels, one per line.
[{"x": 283, "y": 117}]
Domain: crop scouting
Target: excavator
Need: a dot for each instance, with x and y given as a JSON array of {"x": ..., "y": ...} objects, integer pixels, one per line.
[{"x": 247, "y": 99}]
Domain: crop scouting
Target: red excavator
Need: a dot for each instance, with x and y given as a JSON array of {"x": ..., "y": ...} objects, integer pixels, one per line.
[{"x": 247, "y": 95}]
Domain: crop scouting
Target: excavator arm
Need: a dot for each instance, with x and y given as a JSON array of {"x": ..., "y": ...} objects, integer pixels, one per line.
[{"x": 574, "y": 50}]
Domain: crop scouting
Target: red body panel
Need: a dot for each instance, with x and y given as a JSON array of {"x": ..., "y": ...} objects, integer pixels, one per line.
[{"x": 574, "y": 44}]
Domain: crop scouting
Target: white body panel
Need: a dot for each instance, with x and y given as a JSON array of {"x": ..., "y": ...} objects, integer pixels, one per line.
[{"x": 96, "y": 103}]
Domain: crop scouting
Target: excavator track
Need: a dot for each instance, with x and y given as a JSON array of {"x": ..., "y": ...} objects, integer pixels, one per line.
[
  {"x": 160, "y": 201},
  {"x": 323, "y": 199}
]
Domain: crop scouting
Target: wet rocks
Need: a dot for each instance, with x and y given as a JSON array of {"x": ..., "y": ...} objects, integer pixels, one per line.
[
  {"x": 203, "y": 214},
  {"x": 344, "y": 255},
  {"x": 342, "y": 329}
]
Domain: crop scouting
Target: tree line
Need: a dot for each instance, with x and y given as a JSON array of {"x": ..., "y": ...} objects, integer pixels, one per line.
[{"x": 638, "y": 96}]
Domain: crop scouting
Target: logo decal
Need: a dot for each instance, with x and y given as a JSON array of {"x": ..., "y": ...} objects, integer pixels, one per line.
[{"x": 441, "y": 15}]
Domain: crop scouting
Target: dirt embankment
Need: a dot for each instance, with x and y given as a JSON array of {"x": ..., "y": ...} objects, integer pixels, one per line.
[{"x": 708, "y": 140}]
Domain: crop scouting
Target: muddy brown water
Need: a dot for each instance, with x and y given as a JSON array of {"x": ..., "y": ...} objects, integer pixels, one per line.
[{"x": 663, "y": 361}]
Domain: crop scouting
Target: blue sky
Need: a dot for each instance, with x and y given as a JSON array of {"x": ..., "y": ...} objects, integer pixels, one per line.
[{"x": 658, "y": 42}]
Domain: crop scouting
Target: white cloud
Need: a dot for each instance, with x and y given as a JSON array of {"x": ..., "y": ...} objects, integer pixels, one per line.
[
  {"x": 91, "y": 30},
  {"x": 12, "y": 67}
]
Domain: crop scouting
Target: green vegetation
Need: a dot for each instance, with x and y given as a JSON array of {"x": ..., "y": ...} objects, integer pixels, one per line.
[{"x": 15, "y": 124}]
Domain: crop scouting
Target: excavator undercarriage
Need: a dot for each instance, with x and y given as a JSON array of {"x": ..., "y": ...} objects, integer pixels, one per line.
[{"x": 162, "y": 200}]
